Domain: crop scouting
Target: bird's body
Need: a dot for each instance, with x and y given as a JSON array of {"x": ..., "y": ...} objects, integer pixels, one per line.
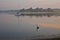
[{"x": 37, "y": 28}]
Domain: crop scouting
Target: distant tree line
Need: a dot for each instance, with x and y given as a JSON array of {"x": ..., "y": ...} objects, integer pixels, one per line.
[{"x": 37, "y": 10}]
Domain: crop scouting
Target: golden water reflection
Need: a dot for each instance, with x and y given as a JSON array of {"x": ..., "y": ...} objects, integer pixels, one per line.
[{"x": 50, "y": 22}]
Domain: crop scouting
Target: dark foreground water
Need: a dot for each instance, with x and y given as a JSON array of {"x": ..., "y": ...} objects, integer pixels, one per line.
[{"x": 24, "y": 27}]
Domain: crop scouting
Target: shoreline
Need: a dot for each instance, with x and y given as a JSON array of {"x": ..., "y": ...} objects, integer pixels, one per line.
[
  {"x": 40, "y": 13},
  {"x": 48, "y": 39}
]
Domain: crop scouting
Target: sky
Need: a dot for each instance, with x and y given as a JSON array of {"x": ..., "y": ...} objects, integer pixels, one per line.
[{"x": 19, "y": 4}]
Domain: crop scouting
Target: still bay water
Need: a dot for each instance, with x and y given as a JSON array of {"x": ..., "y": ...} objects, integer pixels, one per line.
[{"x": 24, "y": 27}]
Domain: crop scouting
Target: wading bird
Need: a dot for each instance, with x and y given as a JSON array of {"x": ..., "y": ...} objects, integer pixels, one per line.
[{"x": 37, "y": 28}]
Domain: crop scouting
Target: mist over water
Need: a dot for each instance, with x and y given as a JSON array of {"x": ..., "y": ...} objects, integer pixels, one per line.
[{"x": 25, "y": 26}]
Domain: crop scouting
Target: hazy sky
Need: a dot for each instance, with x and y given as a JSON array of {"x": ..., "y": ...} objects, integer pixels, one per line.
[{"x": 18, "y": 4}]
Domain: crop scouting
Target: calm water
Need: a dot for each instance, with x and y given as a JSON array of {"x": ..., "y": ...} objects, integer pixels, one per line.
[{"x": 24, "y": 27}]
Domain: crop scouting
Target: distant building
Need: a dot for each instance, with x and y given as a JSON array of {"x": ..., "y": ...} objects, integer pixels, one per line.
[{"x": 56, "y": 10}]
